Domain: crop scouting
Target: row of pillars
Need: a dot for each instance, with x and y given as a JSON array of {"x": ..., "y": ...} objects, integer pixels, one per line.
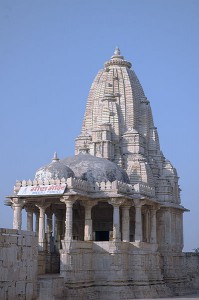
[{"x": 88, "y": 232}]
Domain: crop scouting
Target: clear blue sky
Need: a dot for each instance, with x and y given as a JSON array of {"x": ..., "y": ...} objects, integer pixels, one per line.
[{"x": 50, "y": 52}]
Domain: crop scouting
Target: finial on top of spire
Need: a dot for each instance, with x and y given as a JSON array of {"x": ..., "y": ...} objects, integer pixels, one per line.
[
  {"x": 55, "y": 157},
  {"x": 117, "y": 59},
  {"x": 117, "y": 51}
]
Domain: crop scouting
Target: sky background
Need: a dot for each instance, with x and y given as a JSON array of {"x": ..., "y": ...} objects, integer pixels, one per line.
[{"x": 50, "y": 52}]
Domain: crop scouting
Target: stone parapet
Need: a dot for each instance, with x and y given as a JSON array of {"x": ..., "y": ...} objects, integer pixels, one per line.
[
  {"x": 144, "y": 189},
  {"x": 88, "y": 187}
]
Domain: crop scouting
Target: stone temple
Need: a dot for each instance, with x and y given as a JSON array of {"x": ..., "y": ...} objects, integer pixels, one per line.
[{"x": 109, "y": 219}]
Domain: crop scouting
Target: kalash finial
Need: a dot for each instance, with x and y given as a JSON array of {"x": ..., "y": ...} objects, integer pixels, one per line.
[
  {"x": 117, "y": 51},
  {"x": 55, "y": 158},
  {"x": 117, "y": 60},
  {"x": 117, "y": 54}
]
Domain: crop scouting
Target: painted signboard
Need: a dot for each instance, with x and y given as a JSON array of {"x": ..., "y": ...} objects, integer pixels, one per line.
[{"x": 42, "y": 190}]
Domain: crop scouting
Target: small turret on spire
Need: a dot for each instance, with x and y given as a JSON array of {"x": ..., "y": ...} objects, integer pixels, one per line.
[{"x": 55, "y": 157}]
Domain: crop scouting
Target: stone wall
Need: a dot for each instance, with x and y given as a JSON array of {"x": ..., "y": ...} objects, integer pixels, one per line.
[
  {"x": 111, "y": 271},
  {"x": 192, "y": 269},
  {"x": 18, "y": 264}
]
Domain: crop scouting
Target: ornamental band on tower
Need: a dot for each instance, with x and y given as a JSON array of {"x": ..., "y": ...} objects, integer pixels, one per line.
[{"x": 109, "y": 219}]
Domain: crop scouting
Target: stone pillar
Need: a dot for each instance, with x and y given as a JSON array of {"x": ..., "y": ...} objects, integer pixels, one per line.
[
  {"x": 49, "y": 228},
  {"x": 37, "y": 222},
  {"x": 138, "y": 221},
  {"x": 29, "y": 210},
  {"x": 125, "y": 223},
  {"x": 88, "y": 229},
  {"x": 168, "y": 232},
  {"x": 116, "y": 202},
  {"x": 58, "y": 229},
  {"x": 153, "y": 235},
  {"x": 69, "y": 201},
  {"x": 17, "y": 213},
  {"x": 181, "y": 231},
  {"x": 41, "y": 236},
  {"x": 147, "y": 216}
]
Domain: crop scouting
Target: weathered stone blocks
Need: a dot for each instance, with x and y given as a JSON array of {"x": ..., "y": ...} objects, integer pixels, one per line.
[{"x": 18, "y": 264}]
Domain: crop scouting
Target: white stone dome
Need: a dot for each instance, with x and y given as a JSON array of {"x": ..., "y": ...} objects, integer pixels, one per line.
[
  {"x": 95, "y": 169},
  {"x": 54, "y": 170}
]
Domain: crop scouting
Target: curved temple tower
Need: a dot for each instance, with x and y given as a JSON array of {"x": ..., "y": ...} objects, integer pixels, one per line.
[{"x": 118, "y": 221}]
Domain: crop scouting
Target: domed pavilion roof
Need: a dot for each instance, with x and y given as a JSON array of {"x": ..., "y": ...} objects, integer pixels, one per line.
[
  {"x": 95, "y": 169},
  {"x": 54, "y": 170}
]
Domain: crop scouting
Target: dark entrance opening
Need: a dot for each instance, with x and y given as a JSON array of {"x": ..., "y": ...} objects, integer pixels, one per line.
[{"x": 101, "y": 236}]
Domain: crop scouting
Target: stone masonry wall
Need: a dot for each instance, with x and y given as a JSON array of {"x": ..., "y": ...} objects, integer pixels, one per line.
[
  {"x": 192, "y": 269},
  {"x": 18, "y": 264},
  {"x": 110, "y": 271}
]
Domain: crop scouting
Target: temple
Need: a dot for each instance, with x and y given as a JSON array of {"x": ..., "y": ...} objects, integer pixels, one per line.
[{"x": 109, "y": 219}]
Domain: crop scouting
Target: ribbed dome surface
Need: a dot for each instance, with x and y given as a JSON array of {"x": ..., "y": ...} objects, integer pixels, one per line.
[
  {"x": 95, "y": 169},
  {"x": 54, "y": 170}
]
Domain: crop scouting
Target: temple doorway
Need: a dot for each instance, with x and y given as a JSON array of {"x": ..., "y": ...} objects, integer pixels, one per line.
[{"x": 101, "y": 236}]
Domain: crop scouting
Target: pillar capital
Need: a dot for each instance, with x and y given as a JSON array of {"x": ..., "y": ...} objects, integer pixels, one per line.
[
  {"x": 116, "y": 202},
  {"x": 127, "y": 204},
  {"x": 17, "y": 202},
  {"x": 69, "y": 200},
  {"x": 29, "y": 208},
  {"x": 154, "y": 207},
  {"x": 89, "y": 203},
  {"x": 139, "y": 202},
  {"x": 42, "y": 205}
]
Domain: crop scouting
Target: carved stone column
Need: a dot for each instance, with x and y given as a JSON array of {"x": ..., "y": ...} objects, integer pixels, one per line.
[
  {"x": 37, "y": 221},
  {"x": 49, "y": 227},
  {"x": 58, "y": 231},
  {"x": 17, "y": 206},
  {"x": 30, "y": 210},
  {"x": 125, "y": 223},
  {"x": 168, "y": 232},
  {"x": 69, "y": 201},
  {"x": 153, "y": 235},
  {"x": 116, "y": 202},
  {"x": 138, "y": 221},
  {"x": 88, "y": 229},
  {"x": 41, "y": 236}
]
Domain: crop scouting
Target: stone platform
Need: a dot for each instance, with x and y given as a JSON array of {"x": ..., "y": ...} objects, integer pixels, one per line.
[{"x": 194, "y": 296}]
